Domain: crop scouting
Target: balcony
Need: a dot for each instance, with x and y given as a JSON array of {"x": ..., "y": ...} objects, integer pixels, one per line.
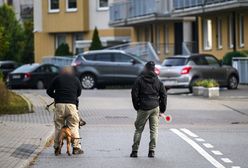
[
  {"x": 196, "y": 7},
  {"x": 137, "y": 11}
]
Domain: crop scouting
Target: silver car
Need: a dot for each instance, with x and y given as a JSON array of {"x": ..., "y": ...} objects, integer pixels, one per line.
[
  {"x": 107, "y": 67},
  {"x": 182, "y": 71}
]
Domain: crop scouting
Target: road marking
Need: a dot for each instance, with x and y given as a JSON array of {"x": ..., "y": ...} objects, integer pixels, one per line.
[
  {"x": 200, "y": 140},
  {"x": 236, "y": 167},
  {"x": 198, "y": 148},
  {"x": 226, "y": 160},
  {"x": 208, "y": 145},
  {"x": 189, "y": 133},
  {"x": 217, "y": 152}
]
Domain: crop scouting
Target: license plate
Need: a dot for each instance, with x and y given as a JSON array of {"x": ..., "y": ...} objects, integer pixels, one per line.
[
  {"x": 16, "y": 76},
  {"x": 169, "y": 83}
]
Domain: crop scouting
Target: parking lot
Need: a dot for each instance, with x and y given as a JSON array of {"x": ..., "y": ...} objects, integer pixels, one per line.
[{"x": 203, "y": 133}]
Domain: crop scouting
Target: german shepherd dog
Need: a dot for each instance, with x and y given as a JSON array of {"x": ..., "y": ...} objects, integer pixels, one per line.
[{"x": 65, "y": 133}]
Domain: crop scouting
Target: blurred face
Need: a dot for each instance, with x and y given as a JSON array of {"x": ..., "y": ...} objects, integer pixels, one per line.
[{"x": 67, "y": 70}]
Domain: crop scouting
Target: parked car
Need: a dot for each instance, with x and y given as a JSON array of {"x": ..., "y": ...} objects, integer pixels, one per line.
[
  {"x": 36, "y": 76},
  {"x": 6, "y": 67},
  {"x": 107, "y": 67},
  {"x": 182, "y": 71}
]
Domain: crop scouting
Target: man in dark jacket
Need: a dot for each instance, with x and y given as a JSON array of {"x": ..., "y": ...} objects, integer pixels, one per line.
[
  {"x": 65, "y": 89},
  {"x": 149, "y": 100}
]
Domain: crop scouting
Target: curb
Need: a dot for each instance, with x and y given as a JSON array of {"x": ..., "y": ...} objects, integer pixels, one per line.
[
  {"x": 30, "y": 105},
  {"x": 33, "y": 157}
]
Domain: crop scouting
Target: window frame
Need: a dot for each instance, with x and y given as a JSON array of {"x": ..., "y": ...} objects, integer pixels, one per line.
[
  {"x": 102, "y": 8},
  {"x": 207, "y": 35},
  {"x": 56, "y": 39},
  {"x": 219, "y": 33},
  {"x": 241, "y": 31},
  {"x": 53, "y": 10},
  {"x": 71, "y": 9}
]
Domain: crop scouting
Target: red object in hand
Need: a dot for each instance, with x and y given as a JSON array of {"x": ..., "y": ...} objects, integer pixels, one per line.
[{"x": 167, "y": 118}]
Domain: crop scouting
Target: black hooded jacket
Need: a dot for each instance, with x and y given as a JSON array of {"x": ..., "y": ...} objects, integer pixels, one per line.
[{"x": 148, "y": 92}]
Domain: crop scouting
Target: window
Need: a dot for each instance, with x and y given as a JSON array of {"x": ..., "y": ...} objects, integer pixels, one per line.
[
  {"x": 207, "y": 34},
  {"x": 53, "y": 5},
  {"x": 71, "y": 5},
  {"x": 173, "y": 61},
  {"x": 60, "y": 39},
  {"x": 212, "y": 61},
  {"x": 230, "y": 29},
  {"x": 200, "y": 60},
  {"x": 219, "y": 33},
  {"x": 241, "y": 31},
  {"x": 122, "y": 58},
  {"x": 102, "y": 4},
  {"x": 90, "y": 57},
  {"x": 166, "y": 39},
  {"x": 54, "y": 69},
  {"x": 104, "y": 57}
]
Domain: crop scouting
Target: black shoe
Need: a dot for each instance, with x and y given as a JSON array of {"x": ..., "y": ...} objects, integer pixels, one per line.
[
  {"x": 77, "y": 151},
  {"x": 151, "y": 154},
  {"x": 134, "y": 154},
  {"x": 56, "y": 151}
]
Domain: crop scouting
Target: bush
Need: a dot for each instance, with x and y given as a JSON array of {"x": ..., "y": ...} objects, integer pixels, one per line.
[
  {"x": 63, "y": 50},
  {"x": 207, "y": 83},
  {"x": 227, "y": 60},
  {"x": 96, "y": 43}
]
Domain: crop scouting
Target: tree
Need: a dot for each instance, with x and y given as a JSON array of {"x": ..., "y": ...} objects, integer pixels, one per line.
[
  {"x": 4, "y": 47},
  {"x": 12, "y": 34},
  {"x": 27, "y": 55},
  {"x": 63, "y": 50},
  {"x": 96, "y": 43}
]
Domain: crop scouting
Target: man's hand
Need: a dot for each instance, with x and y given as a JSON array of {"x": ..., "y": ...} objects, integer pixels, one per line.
[{"x": 161, "y": 114}]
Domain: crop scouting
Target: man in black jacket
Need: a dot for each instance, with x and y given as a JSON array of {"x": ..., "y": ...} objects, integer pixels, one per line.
[
  {"x": 149, "y": 100},
  {"x": 65, "y": 89}
]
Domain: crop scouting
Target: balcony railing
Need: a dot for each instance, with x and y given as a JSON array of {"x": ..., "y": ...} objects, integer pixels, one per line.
[
  {"x": 138, "y": 8},
  {"x": 184, "y": 4}
]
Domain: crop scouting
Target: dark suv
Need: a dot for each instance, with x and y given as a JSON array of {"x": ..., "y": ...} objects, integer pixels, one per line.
[{"x": 107, "y": 67}]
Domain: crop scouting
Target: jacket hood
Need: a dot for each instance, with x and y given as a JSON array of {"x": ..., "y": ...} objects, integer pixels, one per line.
[{"x": 149, "y": 76}]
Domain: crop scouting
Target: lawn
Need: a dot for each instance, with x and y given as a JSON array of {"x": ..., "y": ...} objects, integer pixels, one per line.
[{"x": 11, "y": 103}]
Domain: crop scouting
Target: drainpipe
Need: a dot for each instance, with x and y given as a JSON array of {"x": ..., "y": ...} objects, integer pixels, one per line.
[{"x": 234, "y": 30}]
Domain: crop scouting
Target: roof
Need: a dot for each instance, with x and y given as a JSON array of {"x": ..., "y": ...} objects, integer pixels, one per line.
[{"x": 104, "y": 51}]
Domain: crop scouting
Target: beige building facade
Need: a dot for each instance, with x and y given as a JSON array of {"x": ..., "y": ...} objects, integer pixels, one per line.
[{"x": 73, "y": 22}]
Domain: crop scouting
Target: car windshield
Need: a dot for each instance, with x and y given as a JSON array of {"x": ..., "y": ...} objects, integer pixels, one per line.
[
  {"x": 173, "y": 61},
  {"x": 26, "y": 68}
]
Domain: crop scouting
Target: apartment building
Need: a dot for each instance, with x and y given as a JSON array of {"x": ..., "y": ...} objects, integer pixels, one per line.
[
  {"x": 152, "y": 21},
  {"x": 22, "y": 8},
  {"x": 73, "y": 22},
  {"x": 221, "y": 24}
]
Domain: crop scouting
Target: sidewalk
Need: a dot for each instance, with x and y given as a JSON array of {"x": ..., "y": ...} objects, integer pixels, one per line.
[{"x": 24, "y": 136}]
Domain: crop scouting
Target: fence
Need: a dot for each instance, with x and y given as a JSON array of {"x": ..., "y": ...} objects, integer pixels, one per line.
[
  {"x": 241, "y": 64},
  {"x": 59, "y": 61}
]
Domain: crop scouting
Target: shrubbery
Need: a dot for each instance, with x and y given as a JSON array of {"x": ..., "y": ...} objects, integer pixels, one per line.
[
  {"x": 96, "y": 43},
  {"x": 207, "y": 83},
  {"x": 63, "y": 50},
  {"x": 227, "y": 60}
]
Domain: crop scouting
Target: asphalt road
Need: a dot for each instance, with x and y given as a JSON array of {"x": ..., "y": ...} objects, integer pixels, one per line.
[{"x": 204, "y": 133}]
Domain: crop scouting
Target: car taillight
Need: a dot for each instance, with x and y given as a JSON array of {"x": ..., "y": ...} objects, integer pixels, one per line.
[
  {"x": 186, "y": 70},
  {"x": 27, "y": 75},
  {"x": 157, "y": 71}
]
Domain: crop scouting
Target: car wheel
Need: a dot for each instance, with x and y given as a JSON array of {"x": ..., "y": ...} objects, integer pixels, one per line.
[
  {"x": 40, "y": 85},
  {"x": 192, "y": 82},
  {"x": 88, "y": 81},
  {"x": 233, "y": 82}
]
